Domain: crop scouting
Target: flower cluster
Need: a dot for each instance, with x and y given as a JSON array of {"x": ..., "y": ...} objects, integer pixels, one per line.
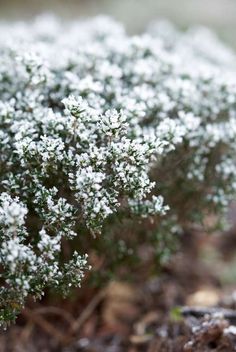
[{"x": 95, "y": 124}]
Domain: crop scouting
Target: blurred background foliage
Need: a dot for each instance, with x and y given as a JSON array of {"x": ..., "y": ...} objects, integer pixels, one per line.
[{"x": 135, "y": 14}]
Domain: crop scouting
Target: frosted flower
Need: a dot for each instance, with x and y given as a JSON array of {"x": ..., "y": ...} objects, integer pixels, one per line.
[{"x": 12, "y": 212}]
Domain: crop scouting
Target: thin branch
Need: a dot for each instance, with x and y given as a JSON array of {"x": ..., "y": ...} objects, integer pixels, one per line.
[
  {"x": 57, "y": 311},
  {"x": 87, "y": 312},
  {"x": 45, "y": 325}
]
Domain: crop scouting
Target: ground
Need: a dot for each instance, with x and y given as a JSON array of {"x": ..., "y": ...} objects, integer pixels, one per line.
[{"x": 189, "y": 306}]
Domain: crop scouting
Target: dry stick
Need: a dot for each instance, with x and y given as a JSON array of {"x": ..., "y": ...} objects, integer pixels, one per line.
[
  {"x": 27, "y": 331},
  {"x": 45, "y": 325},
  {"x": 57, "y": 311},
  {"x": 37, "y": 319},
  {"x": 87, "y": 312}
]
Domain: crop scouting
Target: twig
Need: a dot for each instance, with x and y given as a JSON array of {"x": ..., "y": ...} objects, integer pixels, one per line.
[
  {"x": 36, "y": 317},
  {"x": 27, "y": 331},
  {"x": 57, "y": 311},
  {"x": 87, "y": 312},
  {"x": 46, "y": 326}
]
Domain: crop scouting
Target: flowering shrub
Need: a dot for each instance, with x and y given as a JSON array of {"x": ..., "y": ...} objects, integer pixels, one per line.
[{"x": 96, "y": 125}]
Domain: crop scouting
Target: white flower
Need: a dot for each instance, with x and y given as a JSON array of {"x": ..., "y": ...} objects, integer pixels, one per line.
[{"x": 12, "y": 212}]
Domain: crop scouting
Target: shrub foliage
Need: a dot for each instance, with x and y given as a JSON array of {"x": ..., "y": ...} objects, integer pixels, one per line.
[{"x": 98, "y": 125}]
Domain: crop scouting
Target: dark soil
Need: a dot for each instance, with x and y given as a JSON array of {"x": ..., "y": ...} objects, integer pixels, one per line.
[{"x": 189, "y": 307}]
